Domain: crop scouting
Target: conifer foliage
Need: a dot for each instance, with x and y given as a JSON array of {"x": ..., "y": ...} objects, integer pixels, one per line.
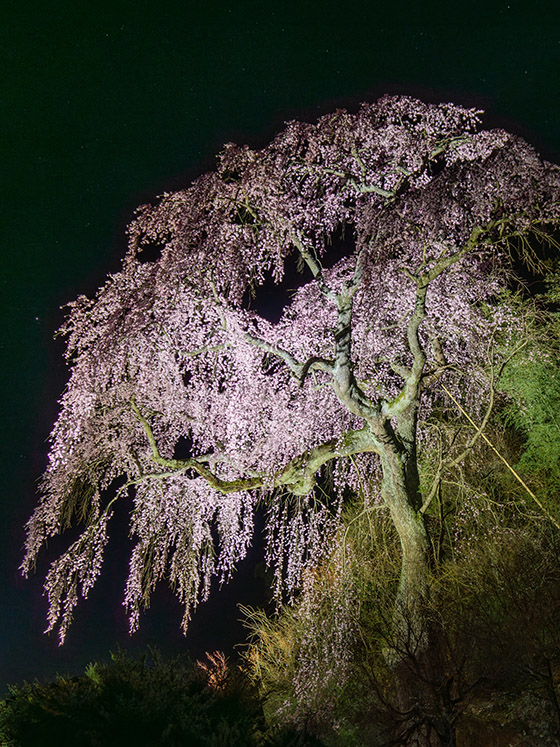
[{"x": 192, "y": 399}]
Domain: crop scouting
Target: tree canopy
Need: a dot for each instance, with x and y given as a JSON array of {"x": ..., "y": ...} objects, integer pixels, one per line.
[{"x": 195, "y": 393}]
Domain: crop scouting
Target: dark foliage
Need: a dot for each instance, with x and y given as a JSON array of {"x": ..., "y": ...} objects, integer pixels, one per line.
[{"x": 131, "y": 702}]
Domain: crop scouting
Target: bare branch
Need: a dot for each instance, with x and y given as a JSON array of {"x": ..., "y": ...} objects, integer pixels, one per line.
[
  {"x": 300, "y": 370},
  {"x": 204, "y": 349},
  {"x": 315, "y": 363},
  {"x": 401, "y": 371}
]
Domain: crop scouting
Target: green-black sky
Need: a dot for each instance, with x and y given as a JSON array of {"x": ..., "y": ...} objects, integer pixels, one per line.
[{"x": 105, "y": 105}]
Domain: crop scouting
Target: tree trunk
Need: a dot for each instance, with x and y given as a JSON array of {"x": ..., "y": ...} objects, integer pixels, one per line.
[
  {"x": 425, "y": 715},
  {"x": 400, "y": 489}
]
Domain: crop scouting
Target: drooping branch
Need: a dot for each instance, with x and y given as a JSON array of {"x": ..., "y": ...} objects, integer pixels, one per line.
[{"x": 299, "y": 475}]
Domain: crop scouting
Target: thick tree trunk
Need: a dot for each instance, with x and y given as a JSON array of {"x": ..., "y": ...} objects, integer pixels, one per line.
[
  {"x": 413, "y": 654},
  {"x": 400, "y": 488}
]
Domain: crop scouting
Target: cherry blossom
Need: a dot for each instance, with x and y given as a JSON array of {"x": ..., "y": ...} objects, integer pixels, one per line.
[{"x": 189, "y": 401}]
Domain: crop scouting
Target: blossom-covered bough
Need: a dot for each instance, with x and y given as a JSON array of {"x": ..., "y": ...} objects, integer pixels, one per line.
[{"x": 194, "y": 399}]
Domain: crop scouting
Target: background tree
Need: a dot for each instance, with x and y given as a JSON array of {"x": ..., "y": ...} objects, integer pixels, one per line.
[{"x": 193, "y": 398}]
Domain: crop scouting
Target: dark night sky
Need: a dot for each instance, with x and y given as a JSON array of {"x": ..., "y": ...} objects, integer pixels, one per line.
[{"x": 107, "y": 105}]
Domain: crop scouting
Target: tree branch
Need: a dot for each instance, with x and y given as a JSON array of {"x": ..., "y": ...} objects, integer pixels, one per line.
[
  {"x": 298, "y": 475},
  {"x": 315, "y": 267},
  {"x": 411, "y": 389},
  {"x": 345, "y": 385},
  {"x": 300, "y": 370}
]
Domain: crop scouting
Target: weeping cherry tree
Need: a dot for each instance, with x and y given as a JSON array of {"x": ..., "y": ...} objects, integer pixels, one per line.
[{"x": 200, "y": 389}]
